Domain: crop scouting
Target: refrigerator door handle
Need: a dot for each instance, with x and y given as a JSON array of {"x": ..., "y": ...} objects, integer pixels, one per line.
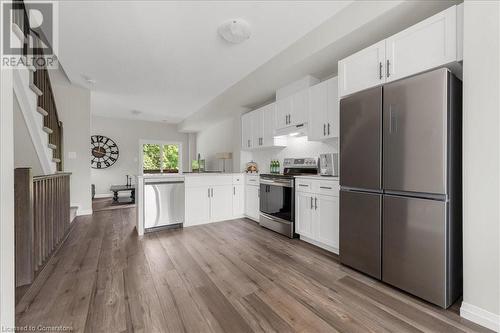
[{"x": 393, "y": 119}]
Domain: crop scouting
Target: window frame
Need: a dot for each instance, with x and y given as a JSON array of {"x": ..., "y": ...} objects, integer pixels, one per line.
[{"x": 162, "y": 143}]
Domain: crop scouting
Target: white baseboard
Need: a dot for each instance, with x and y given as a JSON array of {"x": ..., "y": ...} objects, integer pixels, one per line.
[
  {"x": 81, "y": 212},
  {"x": 480, "y": 316},
  {"x": 319, "y": 244},
  {"x": 103, "y": 195}
]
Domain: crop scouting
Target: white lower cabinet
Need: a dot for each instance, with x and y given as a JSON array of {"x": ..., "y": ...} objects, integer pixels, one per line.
[
  {"x": 317, "y": 213},
  {"x": 213, "y": 198},
  {"x": 252, "y": 197},
  {"x": 304, "y": 214},
  {"x": 197, "y": 202},
  {"x": 238, "y": 201}
]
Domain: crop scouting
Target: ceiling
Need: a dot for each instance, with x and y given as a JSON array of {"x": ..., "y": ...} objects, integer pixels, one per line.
[{"x": 164, "y": 58}]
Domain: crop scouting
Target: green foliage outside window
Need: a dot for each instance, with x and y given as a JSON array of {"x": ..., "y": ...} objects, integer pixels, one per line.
[{"x": 160, "y": 158}]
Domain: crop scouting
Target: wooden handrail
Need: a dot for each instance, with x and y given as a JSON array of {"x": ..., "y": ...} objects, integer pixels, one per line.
[{"x": 42, "y": 220}]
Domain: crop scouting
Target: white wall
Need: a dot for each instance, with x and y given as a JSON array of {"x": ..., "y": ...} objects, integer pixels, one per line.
[
  {"x": 73, "y": 106},
  {"x": 127, "y": 134},
  {"x": 481, "y": 158},
  {"x": 7, "y": 298},
  {"x": 221, "y": 137},
  {"x": 24, "y": 151}
]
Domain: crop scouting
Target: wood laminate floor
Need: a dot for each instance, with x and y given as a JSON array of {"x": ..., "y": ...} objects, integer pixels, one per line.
[{"x": 230, "y": 276}]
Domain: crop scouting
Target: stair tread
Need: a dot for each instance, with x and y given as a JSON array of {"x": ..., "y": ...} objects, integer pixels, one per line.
[
  {"x": 47, "y": 130},
  {"x": 52, "y": 146},
  {"x": 35, "y": 89},
  {"x": 42, "y": 111}
]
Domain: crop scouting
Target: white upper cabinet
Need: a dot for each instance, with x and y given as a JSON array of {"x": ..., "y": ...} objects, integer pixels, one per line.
[
  {"x": 258, "y": 128},
  {"x": 283, "y": 112},
  {"x": 433, "y": 42},
  {"x": 427, "y": 44},
  {"x": 246, "y": 131},
  {"x": 257, "y": 117},
  {"x": 323, "y": 110},
  {"x": 362, "y": 70},
  {"x": 293, "y": 110},
  {"x": 300, "y": 107}
]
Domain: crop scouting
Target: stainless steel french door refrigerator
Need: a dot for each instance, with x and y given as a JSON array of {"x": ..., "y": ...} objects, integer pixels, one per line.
[{"x": 400, "y": 177}]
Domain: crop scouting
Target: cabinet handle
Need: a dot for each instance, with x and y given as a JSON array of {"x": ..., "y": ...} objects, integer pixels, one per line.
[
  {"x": 248, "y": 144},
  {"x": 380, "y": 70},
  {"x": 209, "y": 193},
  {"x": 312, "y": 203},
  {"x": 387, "y": 71},
  {"x": 234, "y": 190},
  {"x": 328, "y": 128},
  {"x": 289, "y": 118},
  {"x": 326, "y": 187},
  {"x": 316, "y": 203},
  {"x": 303, "y": 185},
  {"x": 324, "y": 129},
  {"x": 212, "y": 192}
]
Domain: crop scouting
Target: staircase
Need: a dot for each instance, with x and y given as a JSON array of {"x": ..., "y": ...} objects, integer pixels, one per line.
[{"x": 33, "y": 90}]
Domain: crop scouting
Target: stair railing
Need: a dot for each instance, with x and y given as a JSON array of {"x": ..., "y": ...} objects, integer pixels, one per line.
[{"x": 42, "y": 220}]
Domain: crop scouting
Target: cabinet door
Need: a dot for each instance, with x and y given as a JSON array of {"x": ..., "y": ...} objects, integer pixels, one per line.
[
  {"x": 283, "y": 112},
  {"x": 197, "y": 205},
  {"x": 300, "y": 108},
  {"x": 304, "y": 203},
  {"x": 426, "y": 45},
  {"x": 238, "y": 201},
  {"x": 318, "y": 109},
  {"x": 257, "y": 128},
  {"x": 220, "y": 197},
  {"x": 327, "y": 220},
  {"x": 252, "y": 202},
  {"x": 269, "y": 124},
  {"x": 333, "y": 109},
  {"x": 362, "y": 70},
  {"x": 246, "y": 131}
]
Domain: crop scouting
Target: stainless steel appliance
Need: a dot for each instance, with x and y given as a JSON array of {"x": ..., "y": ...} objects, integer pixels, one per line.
[
  {"x": 328, "y": 164},
  {"x": 400, "y": 199},
  {"x": 277, "y": 195},
  {"x": 163, "y": 203}
]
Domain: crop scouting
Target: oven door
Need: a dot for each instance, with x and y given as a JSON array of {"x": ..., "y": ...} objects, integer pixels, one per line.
[{"x": 276, "y": 199}]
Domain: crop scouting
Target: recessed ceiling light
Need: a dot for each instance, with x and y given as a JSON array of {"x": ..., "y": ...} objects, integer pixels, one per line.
[{"x": 235, "y": 30}]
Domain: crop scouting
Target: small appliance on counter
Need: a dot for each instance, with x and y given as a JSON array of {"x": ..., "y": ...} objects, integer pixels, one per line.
[
  {"x": 277, "y": 195},
  {"x": 329, "y": 164}
]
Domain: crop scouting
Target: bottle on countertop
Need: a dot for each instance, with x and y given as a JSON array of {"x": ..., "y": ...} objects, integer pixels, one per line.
[{"x": 277, "y": 166}]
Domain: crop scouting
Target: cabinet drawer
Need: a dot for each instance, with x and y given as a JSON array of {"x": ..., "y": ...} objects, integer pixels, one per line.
[
  {"x": 205, "y": 180},
  {"x": 304, "y": 185},
  {"x": 252, "y": 180},
  {"x": 327, "y": 188},
  {"x": 238, "y": 179}
]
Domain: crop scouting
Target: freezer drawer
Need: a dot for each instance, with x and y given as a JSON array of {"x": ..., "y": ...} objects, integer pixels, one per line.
[
  {"x": 361, "y": 140},
  {"x": 415, "y": 247},
  {"x": 360, "y": 231},
  {"x": 415, "y": 133}
]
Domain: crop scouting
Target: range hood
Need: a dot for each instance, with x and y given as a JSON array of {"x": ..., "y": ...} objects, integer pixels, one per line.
[{"x": 292, "y": 131}]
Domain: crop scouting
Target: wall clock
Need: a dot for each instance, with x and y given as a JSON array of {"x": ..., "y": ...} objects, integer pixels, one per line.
[{"x": 104, "y": 152}]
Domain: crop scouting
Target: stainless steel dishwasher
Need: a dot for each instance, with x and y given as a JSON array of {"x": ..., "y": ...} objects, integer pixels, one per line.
[{"x": 163, "y": 203}]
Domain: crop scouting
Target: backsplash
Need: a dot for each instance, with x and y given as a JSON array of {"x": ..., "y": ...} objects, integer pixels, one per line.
[{"x": 297, "y": 147}]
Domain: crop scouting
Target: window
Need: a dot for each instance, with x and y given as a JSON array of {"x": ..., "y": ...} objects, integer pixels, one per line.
[{"x": 160, "y": 158}]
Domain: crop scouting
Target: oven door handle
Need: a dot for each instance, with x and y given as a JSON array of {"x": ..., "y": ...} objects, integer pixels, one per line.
[{"x": 276, "y": 183}]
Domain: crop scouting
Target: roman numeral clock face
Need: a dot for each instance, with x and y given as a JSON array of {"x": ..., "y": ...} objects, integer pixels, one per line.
[{"x": 104, "y": 152}]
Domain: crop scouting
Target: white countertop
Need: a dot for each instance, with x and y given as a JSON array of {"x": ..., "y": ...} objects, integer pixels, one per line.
[
  {"x": 190, "y": 174},
  {"x": 319, "y": 177}
]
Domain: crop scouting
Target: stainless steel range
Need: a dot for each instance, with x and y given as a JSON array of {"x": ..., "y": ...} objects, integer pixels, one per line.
[{"x": 277, "y": 195}]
